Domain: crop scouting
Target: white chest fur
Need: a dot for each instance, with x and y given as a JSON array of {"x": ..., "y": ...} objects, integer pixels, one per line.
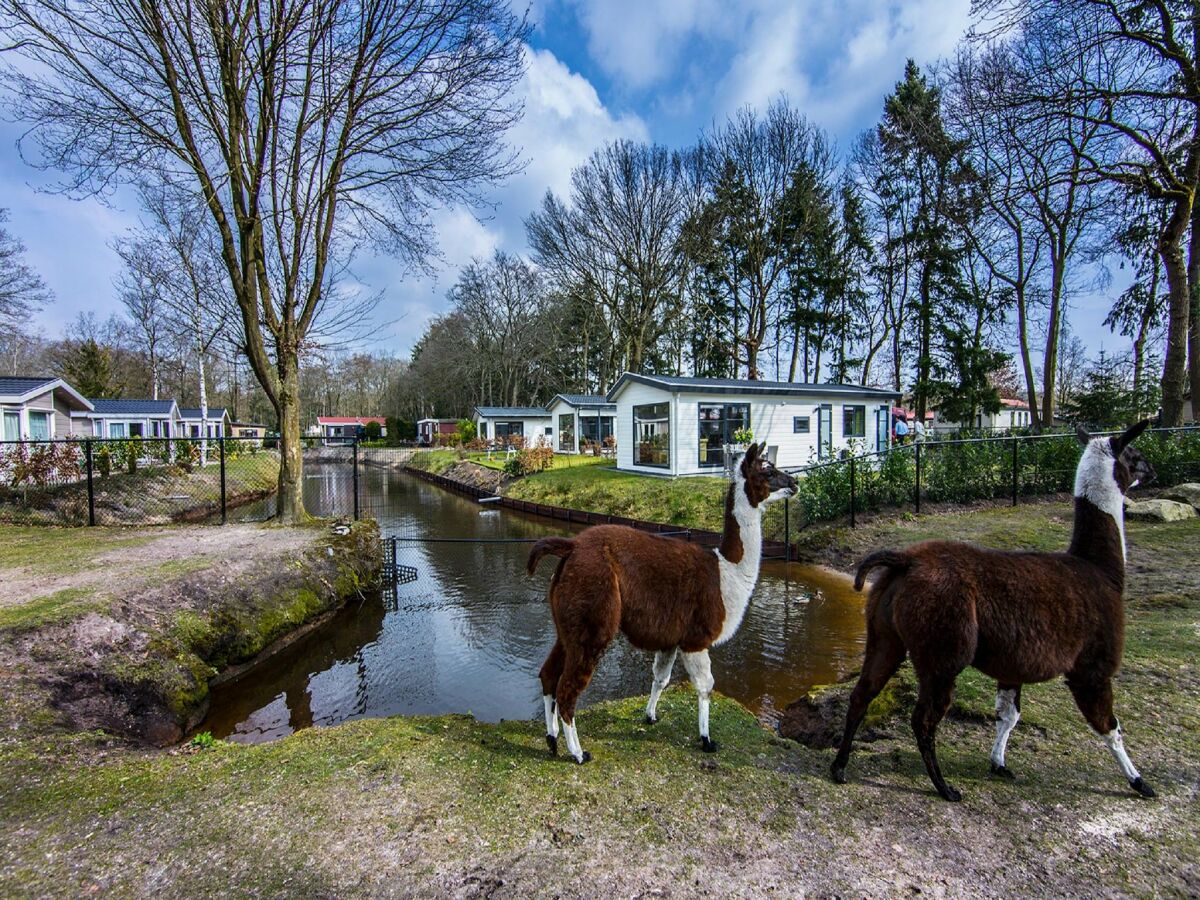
[
  {"x": 1094, "y": 481},
  {"x": 738, "y": 579}
]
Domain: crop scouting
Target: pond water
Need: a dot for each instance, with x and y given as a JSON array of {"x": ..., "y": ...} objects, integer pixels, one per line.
[{"x": 471, "y": 632}]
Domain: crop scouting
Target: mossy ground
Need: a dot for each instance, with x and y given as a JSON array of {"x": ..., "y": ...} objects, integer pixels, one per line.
[{"x": 448, "y": 806}]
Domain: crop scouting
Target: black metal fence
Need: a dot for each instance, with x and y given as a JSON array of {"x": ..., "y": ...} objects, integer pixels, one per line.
[
  {"x": 963, "y": 471},
  {"x": 132, "y": 481}
]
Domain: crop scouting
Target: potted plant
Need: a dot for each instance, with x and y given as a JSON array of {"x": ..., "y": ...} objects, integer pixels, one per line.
[{"x": 742, "y": 439}]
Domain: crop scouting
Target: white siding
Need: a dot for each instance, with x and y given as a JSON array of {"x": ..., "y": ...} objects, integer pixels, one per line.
[
  {"x": 634, "y": 394},
  {"x": 532, "y": 427}
]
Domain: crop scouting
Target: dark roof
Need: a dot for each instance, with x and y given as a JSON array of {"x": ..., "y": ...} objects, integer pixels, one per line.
[
  {"x": 18, "y": 387},
  {"x": 133, "y": 407},
  {"x": 685, "y": 384},
  {"x": 519, "y": 412},
  {"x": 214, "y": 412},
  {"x": 578, "y": 400}
]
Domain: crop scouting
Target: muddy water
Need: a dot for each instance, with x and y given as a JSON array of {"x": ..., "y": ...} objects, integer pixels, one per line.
[{"x": 470, "y": 633}]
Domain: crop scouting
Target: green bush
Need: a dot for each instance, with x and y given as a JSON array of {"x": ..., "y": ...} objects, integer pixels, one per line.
[
  {"x": 104, "y": 461},
  {"x": 372, "y": 431}
]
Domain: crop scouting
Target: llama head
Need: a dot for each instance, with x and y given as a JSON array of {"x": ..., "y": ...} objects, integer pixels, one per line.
[
  {"x": 1111, "y": 466},
  {"x": 760, "y": 480}
]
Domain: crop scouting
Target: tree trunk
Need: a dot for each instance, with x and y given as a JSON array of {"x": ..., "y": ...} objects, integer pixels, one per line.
[
  {"x": 1179, "y": 302},
  {"x": 203, "y": 404},
  {"x": 1194, "y": 310},
  {"x": 291, "y": 482}
]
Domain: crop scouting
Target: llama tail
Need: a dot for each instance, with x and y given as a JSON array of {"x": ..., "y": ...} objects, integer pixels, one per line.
[
  {"x": 555, "y": 546},
  {"x": 889, "y": 559}
]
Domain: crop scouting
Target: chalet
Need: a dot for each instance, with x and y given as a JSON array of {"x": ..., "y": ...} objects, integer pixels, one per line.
[
  {"x": 578, "y": 420},
  {"x": 38, "y": 409},
  {"x": 126, "y": 418},
  {"x": 248, "y": 431},
  {"x": 428, "y": 430},
  {"x": 1013, "y": 415},
  {"x": 346, "y": 429},
  {"x": 499, "y": 423},
  {"x": 216, "y": 425},
  {"x": 673, "y": 425}
]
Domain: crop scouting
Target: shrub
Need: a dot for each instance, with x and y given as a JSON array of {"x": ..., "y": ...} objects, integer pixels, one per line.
[
  {"x": 466, "y": 427},
  {"x": 103, "y": 461},
  {"x": 527, "y": 462},
  {"x": 187, "y": 454},
  {"x": 372, "y": 431}
]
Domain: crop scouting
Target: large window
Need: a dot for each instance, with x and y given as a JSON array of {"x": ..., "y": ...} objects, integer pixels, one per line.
[
  {"x": 718, "y": 422},
  {"x": 652, "y": 435},
  {"x": 39, "y": 425},
  {"x": 137, "y": 429},
  {"x": 594, "y": 429},
  {"x": 854, "y": 421},
  {"x": 116, "y": 429},
  {"x": 566, "y": 433},
  {"x": 12, "y": 425},
  {"x": 824, "y": 431},
  {"x": 510, "y": 429}
]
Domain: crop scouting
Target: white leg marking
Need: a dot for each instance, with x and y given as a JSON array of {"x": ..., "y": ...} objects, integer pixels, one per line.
[
  {"x": 1116, "y": 746},
  {"x": 700, "y": 670},
  {"x": 572, "y": 740},
  {"x": 663, "y": 664},
  {"x": 1007, "y": 716},
  {"x": 551, "y": 715}
]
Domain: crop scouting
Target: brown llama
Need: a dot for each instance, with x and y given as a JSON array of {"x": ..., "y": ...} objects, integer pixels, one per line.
[
  {"x": 662, "y": 593},
  {"x": 1018, "y": 617}
]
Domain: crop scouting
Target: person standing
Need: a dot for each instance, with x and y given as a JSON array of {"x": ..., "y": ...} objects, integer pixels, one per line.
[
  {"x": 901, "y": 430},
  {"x": 918, "y": 430}
]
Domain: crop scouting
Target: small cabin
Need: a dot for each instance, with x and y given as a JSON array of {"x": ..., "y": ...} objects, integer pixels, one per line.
[
  {"x": 38, "y": 409},
  {"x": 581, "y": 420},
  {"x": 346, "y": 429},
  {"x": 676, "y": 425},
  {"x": 214, "y": 425},
  {"x": 429, "y": 430},
  {"x": 1013, "y": 415},
  {"x": 499, "y": 423}
]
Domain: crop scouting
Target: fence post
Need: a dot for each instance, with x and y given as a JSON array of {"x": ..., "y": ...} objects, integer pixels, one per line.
[
  {"x": 355, "y": 458},
  {"x": 1014, "y": 469},
  {"x": 221, "y": 450},
  {"x": 787, "y": 530},
  {"x": 87, "y": 454},
  {"x": 917, "y": 499},
  {"x": 853, "y": 524}
]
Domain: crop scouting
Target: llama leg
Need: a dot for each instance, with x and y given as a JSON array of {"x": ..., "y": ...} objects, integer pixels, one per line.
[
  {"x": 1008, "y": 713},
  {"x": 577, "y": 672},
  {"x": 1094, "y": 699},
  {"x": 550, "y": 674},
  {"x": 933, "y": 699},
  {"x": 664, "y": 662},
  {"x": 884, "y": 654},
  {"x": 700, "y": 670}
]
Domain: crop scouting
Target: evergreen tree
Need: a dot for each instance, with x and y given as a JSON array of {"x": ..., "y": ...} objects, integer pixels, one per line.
[{"x": 88, "y": 367}]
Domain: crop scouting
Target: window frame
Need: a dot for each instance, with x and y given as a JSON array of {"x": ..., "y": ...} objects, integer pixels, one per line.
[
  {"x": 726, "y": 433},
  {"x": 7, "y": 416},
  {"x": 568, "y": 431},
  {"x": 807, "y": 420},
  {"x": 637, "y": 437},
  {"x": 859, "y": 411}
]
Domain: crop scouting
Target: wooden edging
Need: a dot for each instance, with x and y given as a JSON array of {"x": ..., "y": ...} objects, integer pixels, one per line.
[{"x": 770, "y": 549}]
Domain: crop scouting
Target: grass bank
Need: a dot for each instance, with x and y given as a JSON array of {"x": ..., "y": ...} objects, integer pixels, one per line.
[
  {"x": 123, "y": 630},
  {"x": 447, "y": 806}
]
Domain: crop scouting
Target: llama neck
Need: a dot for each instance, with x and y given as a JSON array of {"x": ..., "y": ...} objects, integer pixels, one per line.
[
  {"x": 1099, "y": 538},
  {"x": 738, "y": 557}
]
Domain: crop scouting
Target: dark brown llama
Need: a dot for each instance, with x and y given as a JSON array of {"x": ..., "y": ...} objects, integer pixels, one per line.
[
  {"x": 662, "y": 593},
  {"x": 1019, "y": 617}
]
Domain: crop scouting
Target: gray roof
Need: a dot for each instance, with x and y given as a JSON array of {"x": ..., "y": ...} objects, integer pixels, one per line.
[
  {"x": 18, "y": 387},
  {"x": 589, "y": 400},
  {"x": 517, "y": 412},
  {"x": 687, "y": 384},
  {"x": 214, "y": 412},
  {"x": 133, "y": 407}
]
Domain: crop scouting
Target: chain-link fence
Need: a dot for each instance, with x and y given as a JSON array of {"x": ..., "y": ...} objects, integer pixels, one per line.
[
  {"x": 969, "y": 471},
  {"x": 133, "y": 481}
]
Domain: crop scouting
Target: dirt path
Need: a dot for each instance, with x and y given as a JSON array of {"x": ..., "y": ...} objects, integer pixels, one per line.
[{"x": 111, "y": 561}]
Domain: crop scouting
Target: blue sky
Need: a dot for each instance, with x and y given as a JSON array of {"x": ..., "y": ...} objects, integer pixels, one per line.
[{"x": 660, "y": 70}]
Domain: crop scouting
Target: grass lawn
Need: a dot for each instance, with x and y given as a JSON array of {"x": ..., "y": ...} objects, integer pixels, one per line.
[{"x": 439, "y": 461}]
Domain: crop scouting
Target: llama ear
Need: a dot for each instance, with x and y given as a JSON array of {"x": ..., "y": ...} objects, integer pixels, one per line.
[
  {"x": 1083, "y": 436},
  {"x": 751, "y": 453},
  {"x": 1131, "y": 435}
]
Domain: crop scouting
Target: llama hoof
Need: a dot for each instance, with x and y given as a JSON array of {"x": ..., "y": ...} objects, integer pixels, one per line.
[
  {"x": 837, "y": 773},
  {"x": 1142, "y": 788},
  {"x": 949, "y": 793},
  {"x": 579, "y": 761},
  {"x": 651, "y": 720},
  {"x": 708, "y": 745},
  {"x": 1003, "y": 772},
  {"x": 552, "y": 743}
]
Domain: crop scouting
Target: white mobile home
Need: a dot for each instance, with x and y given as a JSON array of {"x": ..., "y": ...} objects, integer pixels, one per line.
[
  {"x": 217, "y": 422},
  {"x": 673, "y": 425},
  {"x": 579, "y": 420},
  {"x": 1013, "y": 414},
  {"x": 499, "y": 423},
  {"x": 129, "y": 418}
]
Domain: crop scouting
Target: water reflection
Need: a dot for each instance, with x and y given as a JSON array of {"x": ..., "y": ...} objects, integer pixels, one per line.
[{"x": 470, "y": 634}]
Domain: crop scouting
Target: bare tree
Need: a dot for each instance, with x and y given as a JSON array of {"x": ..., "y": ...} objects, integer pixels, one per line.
[
  {"x": 309, "y": 128},
  {"x": 139, "y": 289},
  {"x": 21, "y": 289}
]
